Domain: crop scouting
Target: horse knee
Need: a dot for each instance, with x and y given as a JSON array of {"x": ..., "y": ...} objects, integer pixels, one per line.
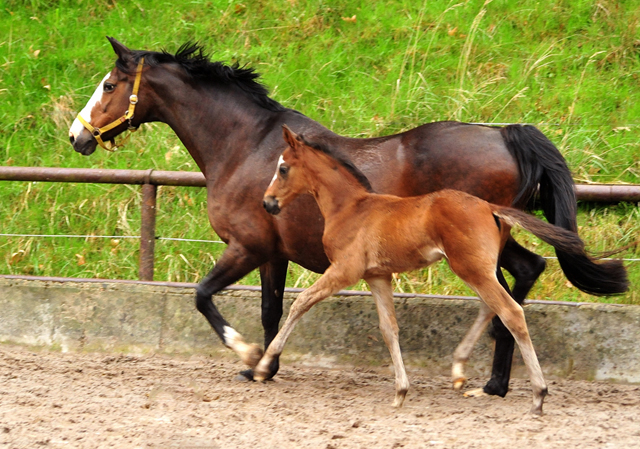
[{"x": 202, "y": 300}]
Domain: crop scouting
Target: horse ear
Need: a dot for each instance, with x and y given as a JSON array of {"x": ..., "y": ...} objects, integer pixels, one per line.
[{"x": 120, "y": 49}]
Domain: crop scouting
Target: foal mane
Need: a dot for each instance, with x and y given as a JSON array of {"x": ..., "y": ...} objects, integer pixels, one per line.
[
  {"x": 192, "y": 58},
  {"x": 341, "y": 159}
]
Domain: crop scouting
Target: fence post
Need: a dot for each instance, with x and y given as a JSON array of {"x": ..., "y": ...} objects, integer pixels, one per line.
[{"x": 147, "y": 231}]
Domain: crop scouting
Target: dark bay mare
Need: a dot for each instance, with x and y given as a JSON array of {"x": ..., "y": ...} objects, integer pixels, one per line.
[
  {"x": 371, "y": 236},
  {"x": 232, "y": 129}
]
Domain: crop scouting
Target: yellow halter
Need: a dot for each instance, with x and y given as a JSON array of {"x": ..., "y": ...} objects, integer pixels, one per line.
[{"x": 127, "y": 117}]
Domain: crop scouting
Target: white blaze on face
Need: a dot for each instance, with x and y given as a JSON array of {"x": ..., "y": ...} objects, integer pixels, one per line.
[
  {"x": 280, "y": 161},
  {"x": 76, "y": 126}
]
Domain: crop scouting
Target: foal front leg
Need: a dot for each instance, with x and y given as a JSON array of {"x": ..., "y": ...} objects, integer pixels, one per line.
[
  {"x": 382, "y": 292},
  {"x": 329, "y": 283},
  {"x": 463, "y": 351}
]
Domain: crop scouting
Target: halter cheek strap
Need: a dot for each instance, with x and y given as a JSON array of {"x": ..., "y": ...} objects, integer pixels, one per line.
[{"x": 127, "y": 117}]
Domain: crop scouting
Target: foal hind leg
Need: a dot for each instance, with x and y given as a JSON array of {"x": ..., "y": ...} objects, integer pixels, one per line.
[
  {"x": 512, "y": 315},
  {"x": 382, "y": 292},
  {"x": 525, "y": 267},
  {"x": 464, "y": 349}
]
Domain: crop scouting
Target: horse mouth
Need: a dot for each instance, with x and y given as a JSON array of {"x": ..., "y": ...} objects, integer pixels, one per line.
[{"x": 84, "y": 146}]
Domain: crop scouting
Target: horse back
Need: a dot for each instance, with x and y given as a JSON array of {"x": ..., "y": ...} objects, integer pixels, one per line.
[{"x": 440, "y": 155}]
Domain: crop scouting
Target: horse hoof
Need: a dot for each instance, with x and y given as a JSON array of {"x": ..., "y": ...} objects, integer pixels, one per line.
[
  {"x": 244, "y": 376},
  {"x": 459, "y": 383},
  {"x": 475, "y": 393}
]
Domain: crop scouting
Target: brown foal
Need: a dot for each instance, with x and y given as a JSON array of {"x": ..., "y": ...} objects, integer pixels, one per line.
[{"x": 370, "y": 236}]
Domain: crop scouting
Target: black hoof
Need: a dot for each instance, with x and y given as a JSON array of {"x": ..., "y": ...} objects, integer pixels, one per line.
[
  {"x": 493, "y": 388},
  {"x": 245, "y": 376}
]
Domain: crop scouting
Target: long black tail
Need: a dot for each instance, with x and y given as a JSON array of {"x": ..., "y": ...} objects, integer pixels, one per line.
[
  {"x": 568, "y": 243},
  {"x": 540, "y": 163}
]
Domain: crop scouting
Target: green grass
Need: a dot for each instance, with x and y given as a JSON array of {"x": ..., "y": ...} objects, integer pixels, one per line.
[{"x": 571, "y": 67}]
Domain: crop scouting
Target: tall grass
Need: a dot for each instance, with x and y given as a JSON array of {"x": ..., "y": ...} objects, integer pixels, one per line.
[{"x": 571, "y": 67}]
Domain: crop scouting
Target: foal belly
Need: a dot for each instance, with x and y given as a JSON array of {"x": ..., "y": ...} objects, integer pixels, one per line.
[{"x": 401, "y": 259}]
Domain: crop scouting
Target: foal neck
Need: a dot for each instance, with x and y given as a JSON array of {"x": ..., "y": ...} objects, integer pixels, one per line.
[{"x": 333, "y": 186}]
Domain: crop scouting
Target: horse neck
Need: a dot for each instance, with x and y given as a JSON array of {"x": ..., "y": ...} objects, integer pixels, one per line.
[
  {"x": 335, "y": 191},
  {"x": 214, "y": 124}
]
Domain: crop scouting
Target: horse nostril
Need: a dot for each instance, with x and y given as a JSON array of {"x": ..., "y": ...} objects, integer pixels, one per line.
[{"x": 72, "y": 139}]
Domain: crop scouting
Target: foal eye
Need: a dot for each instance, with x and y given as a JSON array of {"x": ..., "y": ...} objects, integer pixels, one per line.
[
  {"x": 283, "y": 170},
  {"x": 108, "y": 87}
]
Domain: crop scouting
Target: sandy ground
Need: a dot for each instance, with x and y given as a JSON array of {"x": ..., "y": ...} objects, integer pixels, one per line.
[{"x": 97, "y": 400}]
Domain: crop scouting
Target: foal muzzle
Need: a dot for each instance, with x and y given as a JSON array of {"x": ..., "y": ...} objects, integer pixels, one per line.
[{"x": 271, "y": 205}]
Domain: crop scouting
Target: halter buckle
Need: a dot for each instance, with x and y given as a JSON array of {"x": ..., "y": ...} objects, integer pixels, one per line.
[{"x": 127, "y": 117}]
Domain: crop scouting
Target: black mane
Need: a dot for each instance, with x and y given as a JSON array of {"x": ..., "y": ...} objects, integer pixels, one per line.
[
  {"x": 342, "y": 160},
  {"x": 196, "y": 63}
]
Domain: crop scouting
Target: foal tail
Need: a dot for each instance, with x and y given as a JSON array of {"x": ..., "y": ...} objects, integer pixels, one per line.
[
  {"x": 540, "y": 163},
  {"x": 610, "y": 275}
]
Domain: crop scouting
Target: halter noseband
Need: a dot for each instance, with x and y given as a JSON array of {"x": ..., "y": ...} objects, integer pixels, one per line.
[{"x": 127, "y": 117}]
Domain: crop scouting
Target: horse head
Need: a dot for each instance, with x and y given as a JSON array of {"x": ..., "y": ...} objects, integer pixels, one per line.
[{"x": 112, "y": 107}]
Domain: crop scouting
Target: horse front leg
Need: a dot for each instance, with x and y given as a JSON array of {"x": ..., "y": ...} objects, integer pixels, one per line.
[
  {"x": 525, "y": 267},
  {"x": 273, "y": 275},
  {"x": 235, "y": 263},
  {"x": 329, "y": 283},
  {"x": 382, "y": 292}
]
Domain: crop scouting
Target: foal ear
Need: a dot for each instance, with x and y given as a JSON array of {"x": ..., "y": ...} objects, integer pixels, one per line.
[
  {"x": 290, "y": 137},
  {"x": 120, "y": 49}
]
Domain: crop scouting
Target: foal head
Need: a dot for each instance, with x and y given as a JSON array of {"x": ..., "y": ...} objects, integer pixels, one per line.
[
  {"x": 304, "y": 166},
  {"x": 290, "y": 178}
]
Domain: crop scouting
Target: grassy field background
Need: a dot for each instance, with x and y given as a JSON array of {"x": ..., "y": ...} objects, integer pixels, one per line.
[{"x": 360, "y": 68}]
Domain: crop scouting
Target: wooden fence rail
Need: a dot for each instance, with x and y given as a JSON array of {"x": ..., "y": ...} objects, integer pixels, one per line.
[{"x": 150, "y": 179}]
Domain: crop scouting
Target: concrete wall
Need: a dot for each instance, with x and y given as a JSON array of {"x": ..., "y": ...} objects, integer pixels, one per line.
[{"x": 587, "y": 341}]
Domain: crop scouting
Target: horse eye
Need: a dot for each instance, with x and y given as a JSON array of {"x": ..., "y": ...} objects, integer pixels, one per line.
[
  {"x": 283, "y": 170},
  {"x": 108, "y": 87}
]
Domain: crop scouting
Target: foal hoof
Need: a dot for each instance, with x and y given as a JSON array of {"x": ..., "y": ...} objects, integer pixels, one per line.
[
  {"x": 259, "y": 377},
  {"x": 459, "y": 383},
  {"x": 252, "y": 355},
  {"x": 475, "y": 393},
  {"x": 399, "y": 400}
]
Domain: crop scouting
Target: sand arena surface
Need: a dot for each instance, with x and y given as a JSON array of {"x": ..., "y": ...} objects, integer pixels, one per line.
[{"x": 95, "y": 400}]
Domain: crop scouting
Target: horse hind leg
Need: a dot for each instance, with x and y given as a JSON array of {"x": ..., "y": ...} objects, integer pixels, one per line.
[{"x": 382, "y": 292}]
